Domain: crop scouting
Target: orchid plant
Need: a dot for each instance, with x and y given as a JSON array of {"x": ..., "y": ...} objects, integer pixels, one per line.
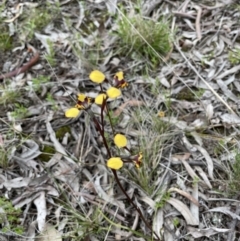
[{"x": 84, "y": 103}]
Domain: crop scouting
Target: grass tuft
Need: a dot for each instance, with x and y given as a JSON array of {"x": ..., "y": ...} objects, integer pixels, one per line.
[
  {"x": 36, "y": 19},
  {"x": 5, "y": 41},
  {"x": 235, "y": 179},
  {"x": 144, "y": 37},
  {"x": 234, "y": 56},
  {"x": 20, "y": 112},
  {"x": 10, "y": 217},
  {"x": 3, "y": 159},
  {"x": 50, "y": 57},
  {"x": 152, "y": 144},
  {"x": 9, "y": 96}
]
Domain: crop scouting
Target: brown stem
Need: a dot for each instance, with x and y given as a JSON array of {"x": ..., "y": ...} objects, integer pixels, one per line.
[
  {"x": 102, "y": 108},
  {"x": 102, "y": 135},
  {"x": 22, "y": 69},
  {"x": 110, "y": 119},
  {"x": 101, "y": 131},
  {"x": 134, "y": 205}
]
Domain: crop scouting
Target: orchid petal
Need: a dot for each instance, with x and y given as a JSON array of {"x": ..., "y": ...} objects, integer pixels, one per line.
[
  {"x": 100, "y": 98},
  {"x": 120, "y": 140},
  {"x": 113, "y": 92},
  {"x": 115, "y": 163},
  {"x": 72, "y": 113},
  {"x": 97, "y": 76}
]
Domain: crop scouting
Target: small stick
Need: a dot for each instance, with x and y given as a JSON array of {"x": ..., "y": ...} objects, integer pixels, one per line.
[
  {"x": 184, "y": 6},
  {"x": 198, "y": 27},
  {"x": 24, "y": 68},
  {"x": 184, "y": 15}
]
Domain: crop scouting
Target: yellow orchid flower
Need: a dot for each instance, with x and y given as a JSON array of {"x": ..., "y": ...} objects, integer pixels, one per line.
[
  {"x": 119, "y": 76},
  {"x": 119, "y": 80},
  {"x": 97, "y": 76},
  {"x": 99, "y": 99},
  {"x": 84, "y": 102},
  {"x": 113, "y": 92},
  {"x": 72, "y": 112},
  {"x": 81, "y": 97},
  {"x": 120, "y": 140},
  {"x": 115, "y": 163},
  {"x": 138, "y": 160}
]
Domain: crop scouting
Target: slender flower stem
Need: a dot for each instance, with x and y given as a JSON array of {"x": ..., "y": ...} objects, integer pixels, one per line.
[
  {"x": 119, "y": 183},
  {"x": 134, "y": 205},
  {"x": 102, "y": 108},
  {"x": 110, "y": 119},
  {"x": 102, "y": 135},
  {"x": 101, "y": 132},
  {"x": 101, "y": 87}
]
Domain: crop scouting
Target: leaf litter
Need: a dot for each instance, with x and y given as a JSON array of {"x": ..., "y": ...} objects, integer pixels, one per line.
[{"x": 196, "y": 156}]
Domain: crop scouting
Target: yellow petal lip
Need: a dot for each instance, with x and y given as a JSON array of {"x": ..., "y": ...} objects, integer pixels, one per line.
[
  {"x": 113, "y": 92},
  {"x": 81, "y": 97},
  {"x": 119, "y": 76},
  {"x": 115, "y": 163},
  {"x": 99, "y": 99},
  {"x": 72, "y": 113},
  {"x": 97, "y": 76},
  {"x": 120, "y": 140},
  {"x": 138, "y": 160}
]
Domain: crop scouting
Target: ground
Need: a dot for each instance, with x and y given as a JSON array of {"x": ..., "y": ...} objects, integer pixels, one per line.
[{"x": 156, "y": 158}]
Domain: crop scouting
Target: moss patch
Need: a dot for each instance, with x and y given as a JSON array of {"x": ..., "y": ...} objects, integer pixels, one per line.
[
  {"x": 47, "y": 154},
  {"x": 10, "y": 217}
]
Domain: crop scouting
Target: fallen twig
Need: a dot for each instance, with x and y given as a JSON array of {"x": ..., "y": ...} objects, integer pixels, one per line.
[
  {"x": 198, "y": 26},
  {"x": 25, "y": 67},
  {"x": 183, "y": 15},
  {"x": 184, "y": 6}
]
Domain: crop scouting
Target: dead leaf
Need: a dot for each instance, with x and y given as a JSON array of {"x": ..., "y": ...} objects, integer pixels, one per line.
[
  {"x": 49, "y": 234},
  {"x": 111, "y": 6},
  {"x": 208, "y": 160},
  {"x": 102, "y": 194},
  {"x": 225, "y": 210},
  {"x": 203, "y": 176},
  {"x": 190, "y": 171},
  {"x": 184, "y": 210},
  {"x": 40, "y": 203},
  {"x": 29, "y": 150},
  {"x": 198, "y": 233},
  {"x": 16, "y": 183},
  {"x": 59, "y": 37},
  {"x": 194, "y": 208},
  {"x": 209, "y": 111},
  {"x": 59, "y": 148},
  {"x": 158, "y": 222},
  {"x": 233, "y": 70},
  {"x": 185, "y": 194},
  {"x": 163, "y": 80},
  {"x": 226, "y": 91},
  {"x": 148, "y": 201},
  {"x": 124, "y": 105},
  {"x": 230, "y": 119},
  {"x": 182, "y": 125}
]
